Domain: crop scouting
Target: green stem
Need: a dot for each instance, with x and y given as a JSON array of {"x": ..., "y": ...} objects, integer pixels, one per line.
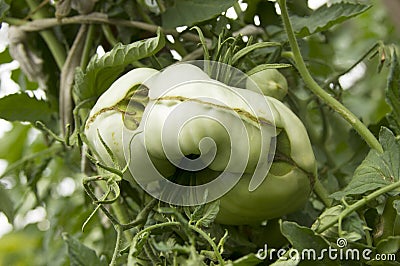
[
  {"x": 108, "y": 34},
  {"x": 51, "y": 151},
  {"x": 118, "y": 244},
  {"x": 317, "y": 90},
  {"x": 357, "y": 205},
  {"x": 14, "y": 21},
  {"x": 54, "y": 45},
  {"x": 238, "y": 11},
  {"x": 143, "y": 14},
  {"x": 337, "y": 76},
  {"x": 88, "y": 47},
  {"x": 210, "y": 241},
  {"x": 322, "y": 193},
  {"x": 367, "y": 232},
  {"x": 120, "y": 214},
  {"x": 99, "y": 18}
]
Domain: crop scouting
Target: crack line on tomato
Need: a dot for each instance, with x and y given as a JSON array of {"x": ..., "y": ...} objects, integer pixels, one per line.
[{"x": 237, "y": 110}]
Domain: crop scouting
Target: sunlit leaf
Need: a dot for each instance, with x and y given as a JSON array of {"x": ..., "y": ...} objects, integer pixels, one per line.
[
  {"x": 102, "y": 72},
  {"x": 22, "y": 107},
  {"x": 325, "y": 17}
]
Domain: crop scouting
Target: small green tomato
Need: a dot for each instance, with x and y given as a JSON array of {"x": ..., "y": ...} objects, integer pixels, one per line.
[{"x": 270, "y": 81}]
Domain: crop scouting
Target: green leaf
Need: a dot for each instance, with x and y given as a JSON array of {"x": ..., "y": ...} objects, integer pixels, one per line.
[
  {"x": 393, "y": 94},
  {"x": 326, "y": 217},
  {"x": 22, "y": 80},
  {"x": 182, "y": 12},
  {"x": 208, "y": 214},
  {"x": 325, "y": 17},
  {"x": 389, "y": 245},
  {"x": 377, "y": 170},
  {"x": 102, "y": 72},
  {"x": 12, "y": 143},
  {"x": 303, "y": 238},
  {"x": 204, "y": 215},
  {"x": 6, "y": 204},
  {"x": 22, "y": 107},
  {"x": 4, "y": 7},
  {"x": 79, "y": 254}
]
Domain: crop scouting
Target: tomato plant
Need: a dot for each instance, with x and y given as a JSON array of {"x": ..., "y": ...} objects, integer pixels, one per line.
[{"x": 188, "y": 132}]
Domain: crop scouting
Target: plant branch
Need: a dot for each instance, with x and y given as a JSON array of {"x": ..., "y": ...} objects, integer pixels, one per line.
[
  {"x": 88, "y": 47},
  {"x": 210, "y": 241},
  {"x": 357, "y": 205},
  {"x": 67, "y": 78},
  {"x": 96, "y": 18},
  {"x": 317, "y": 90},
  {"x": 54, "y": 45},
  {"x": 322, "y": 193},
  {"x": 337, "y": 76},
  {"x": 118, "y": 244}
]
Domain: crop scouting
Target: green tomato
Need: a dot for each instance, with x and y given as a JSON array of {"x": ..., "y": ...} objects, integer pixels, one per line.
[
  {"x": 270, "y": 81},
  {"x": 241, "y": 124}
]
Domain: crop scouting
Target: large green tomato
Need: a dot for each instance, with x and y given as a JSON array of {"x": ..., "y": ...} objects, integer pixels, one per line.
[{"x": 241, "y": 123}]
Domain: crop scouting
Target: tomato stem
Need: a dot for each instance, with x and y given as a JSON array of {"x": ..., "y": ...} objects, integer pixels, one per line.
[
  {"x": 317, "y": 90},
  {"x": 322, "y": 193},
  {"x": 118, "y": 243},
  {"x": 358, "y": 204}
]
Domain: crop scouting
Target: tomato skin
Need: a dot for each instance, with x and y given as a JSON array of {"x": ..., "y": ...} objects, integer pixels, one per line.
[
  {"x": 278, "y": 195},
  {"x": 108, "y": 120}
]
